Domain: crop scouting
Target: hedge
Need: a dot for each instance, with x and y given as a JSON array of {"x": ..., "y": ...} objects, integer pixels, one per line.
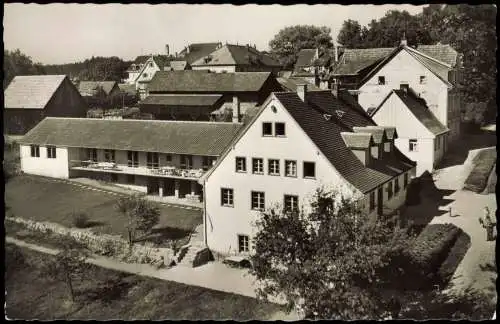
[
  {"x": 483, "y": 162},
  {"x": 454, "y": 258}
]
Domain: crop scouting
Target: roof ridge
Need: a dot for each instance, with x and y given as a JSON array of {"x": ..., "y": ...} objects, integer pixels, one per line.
[{"x": 146, "y": 120}]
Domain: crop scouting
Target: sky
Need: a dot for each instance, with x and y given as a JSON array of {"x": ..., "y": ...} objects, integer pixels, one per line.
[{"x": 66, "y": 33}]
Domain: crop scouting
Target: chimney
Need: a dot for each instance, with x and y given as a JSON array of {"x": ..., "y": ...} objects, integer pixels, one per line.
[
  {"x": 188, "y": 49},
  {"x": 403, "y": 41},
  {"x": 236, "y": 109},
  {"x": 302, "y": 91},
  {"x": 167, "y": 50},
  {"x": 176, "y": 55}
]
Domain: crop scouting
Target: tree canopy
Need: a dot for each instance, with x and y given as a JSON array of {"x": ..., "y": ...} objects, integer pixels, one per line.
[
  {"x": 325, "y": 262},
  {"x": 17, "y": 63},
  {"x": 290, "y": 40}
]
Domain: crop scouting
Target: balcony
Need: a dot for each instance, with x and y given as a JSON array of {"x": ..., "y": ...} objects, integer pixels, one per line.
[{"x": 163, "y": 172}]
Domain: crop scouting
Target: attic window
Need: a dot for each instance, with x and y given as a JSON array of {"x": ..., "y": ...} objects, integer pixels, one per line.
[
  {"x": 207, "y": 59},
  {"x": 151, "y": 64},
  {"x": 423, "y": 79},
  {"x": 327, "y": 116},
  {"x": 381, "y": 80},
  {"x": 340, "y": 113}
]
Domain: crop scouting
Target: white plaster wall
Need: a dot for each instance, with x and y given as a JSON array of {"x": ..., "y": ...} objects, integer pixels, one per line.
[
  {"x": 403, "y": 68},
  {"x": 225, "y": 223},
  {"x": 43, "y": 166},
  {"x": 216, "y": 69},
  {"x": 394, "y": 113}
]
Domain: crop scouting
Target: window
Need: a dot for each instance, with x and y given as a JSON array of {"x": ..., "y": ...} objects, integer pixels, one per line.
[
  {"x": 186, "y": 161},
  {"x": 291, "y": 203},
  {"x": 153, "y": 160},
  {"x": 405, "y": 183},
  {"x": 133, "y": 159},
  {"x": 396, "y": 185},
  {"x": 144, "y": 75},
  {"x": 151, "y": 64},
  {"x": 241, "y": 164},
  {"x": 257, "y": 166},
  {"x": 92, "y": 154},
  {"x": 423, "y": 79},
  {"x": 168, "y": 157},
  {"x": 226, "y": 197},
  {"x": 372, "y": 200},
  {"x": 290, "y": 168},
  {"x": 109, "y": 156},
  {"x": 279, "y": 129},
  {"x": 35, "y": 150},
  {"x": 257, "y": 200},
  {"x": 51, "y": 152},
  {"x": 309, "y": 170},
  {"x": 389, "y": 190},
  {"x": 438, "y": 142},
  {"x": 273, "y": 167},
  {"x": 130, "y": 179},
  {"x": 413, "y": 145},
  {"x": 267, "y": 129},
  {"x": 243, "y": 243},
  {"x": 381, "y": 80}
]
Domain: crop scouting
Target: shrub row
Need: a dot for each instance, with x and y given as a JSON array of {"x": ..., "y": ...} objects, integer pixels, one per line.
[
  {"x": 454, "y": 258},
  {"x": 483, "y": 162},
  {"x": 103, "y": 244}
]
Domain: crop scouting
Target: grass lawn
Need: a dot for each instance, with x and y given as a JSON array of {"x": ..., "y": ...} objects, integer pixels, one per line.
[
  {"x": 483, "y": 162},
  {"x": 41, "y": 199},
  {"x": 106, "y": 294}
]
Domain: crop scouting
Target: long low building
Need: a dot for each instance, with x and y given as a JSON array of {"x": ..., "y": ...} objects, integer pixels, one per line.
[{"x": 165, "y": 158}]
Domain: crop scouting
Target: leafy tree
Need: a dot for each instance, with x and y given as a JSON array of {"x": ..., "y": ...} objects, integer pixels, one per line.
[
  {"x": 326, "y": 262},
  {"x": 69, "y": 265},
  {"x": 141, "y": 215},
  {"x": 17, "y": 63},
  {"x": 290, "y": 40},
  {"x": 351, "y": 34}
]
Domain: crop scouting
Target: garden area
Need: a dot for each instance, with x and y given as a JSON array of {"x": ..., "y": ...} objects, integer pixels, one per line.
[
  {"x": 479, "y": 179},
  {"x": 43, "y": 200},
  {"x": 104, "y": 294}
]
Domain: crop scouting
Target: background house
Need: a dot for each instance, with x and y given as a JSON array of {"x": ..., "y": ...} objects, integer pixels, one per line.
[
  {"x": 30, "y": 98},
  {"x": 242, "y": 90},
  {"x": 237, "y": 58},
  {"x": 104, "y": 94}
]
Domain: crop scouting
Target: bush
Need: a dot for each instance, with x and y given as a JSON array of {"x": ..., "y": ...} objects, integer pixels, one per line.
[
  {"x": 14, "y": 259},
  {"x": 454, "y": 258},
  {"x": 80, "y": 220},
  {"x": 483, "y": 162},
  {"x": 431, "y": 248}
]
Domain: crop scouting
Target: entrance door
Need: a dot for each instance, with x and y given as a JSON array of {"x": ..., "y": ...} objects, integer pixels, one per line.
[
  {"x": 153, "y": 186},
  {"x": 169, "y": 189},
  {"x": 380, "y": 200}
]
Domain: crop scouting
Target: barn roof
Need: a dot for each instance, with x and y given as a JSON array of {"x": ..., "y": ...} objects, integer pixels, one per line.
[{"x": 31, "y": 91}]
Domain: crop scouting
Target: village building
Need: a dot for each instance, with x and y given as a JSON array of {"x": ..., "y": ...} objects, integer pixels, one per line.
[
  {"x": 30, "y": 98},
  {"x": 313, "y": 65},
  {"x": 375, "y": 72},
  {"x": 163, "y": 158},
  {"x": 237, "y": 58},
  {"x": 291, "y": 83},
  {"x": 295, "y": 144},
  {"x": 421, "y": 136},
  {"x": 173, "y": 94},
  {"x": 100, "y": 93}
]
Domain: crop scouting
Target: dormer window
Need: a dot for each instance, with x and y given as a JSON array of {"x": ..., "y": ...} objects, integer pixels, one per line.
[
  {"x": 327, "y": 116},
  {"x": 340, "y": 113},
  {"x": 381, "y": 80}
]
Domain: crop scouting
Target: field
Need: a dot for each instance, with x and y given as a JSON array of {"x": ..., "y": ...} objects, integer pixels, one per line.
[
  {"x": 42, "y": 199},
  {"x": 105, "y": 294}
]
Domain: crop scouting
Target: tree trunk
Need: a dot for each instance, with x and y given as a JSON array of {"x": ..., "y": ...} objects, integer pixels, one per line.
[{"x": 130, "y": 237}]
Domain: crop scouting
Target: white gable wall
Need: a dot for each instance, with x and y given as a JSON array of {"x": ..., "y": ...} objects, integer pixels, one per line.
[
  {"x": 403, "y": 68},
  {"x": 43, "y": 166},
  {"x": 223, "y": 224},
  {"x": 145, "y": 77},
  {"x": 395, "y": 113},
  {"x": 216, "y": 68}
]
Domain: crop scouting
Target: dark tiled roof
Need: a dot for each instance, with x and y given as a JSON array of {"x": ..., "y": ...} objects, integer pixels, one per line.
[
  {"x": 202, "y": 81},
  {"x": 305, "y": 57},
  {"x": 181, "y": 100},
  {"x": 181, "y": 137},
  {"x": 31, "y": 91},
  {"x": 355, "y": 60},
  {"x": 422, "y": 112},
  {"x": 236, "y": 55},
  {"x": 290, "y": 84},
  {"x": 357, "y": 140},
  {"x": 442, "y": 52},
  {"x": 128, "y": 88},
  {"x": 326, "y": 134},
  {"x": 376, "y": 132},
  {"x": 197, "y": 51},
  {"x": 90, "y": 88}
]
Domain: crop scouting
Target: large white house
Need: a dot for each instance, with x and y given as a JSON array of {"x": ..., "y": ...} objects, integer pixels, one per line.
[
  {"x": 296, "y": 143},
  {"x": 422, "y": 137}
]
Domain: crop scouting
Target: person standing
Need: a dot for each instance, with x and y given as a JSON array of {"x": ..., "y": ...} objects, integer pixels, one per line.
[{"x": 488, "y": 224}]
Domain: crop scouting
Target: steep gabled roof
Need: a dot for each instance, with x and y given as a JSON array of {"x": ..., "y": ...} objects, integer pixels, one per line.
[
  {"x": 181, "y": 137},
  {"x": 90, "y": 88},
  {"x": 197, "y": 51},
  {"x": 421, "y": 112},
  {"x": 357, "y": 140},
  {"x": 203, "y": 81},
  {"x": 306, "y": 57},
  {"x": 326, "y": 135},
  {"x": 236, "y": 55},
  {"x": 442, "y": 52},
  {"x": 31, "y": 91},
  {"x": 355, "y": 60}
]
